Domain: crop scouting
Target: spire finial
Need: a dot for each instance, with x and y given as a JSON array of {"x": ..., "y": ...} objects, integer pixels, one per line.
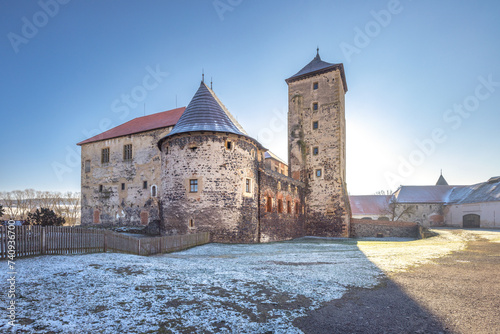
[
  {"x": 210, "y": 82},
  {"x": 202, "y": 75},
  {"x": 441, "y": 172},
  {"x": 317, "y": 51}
]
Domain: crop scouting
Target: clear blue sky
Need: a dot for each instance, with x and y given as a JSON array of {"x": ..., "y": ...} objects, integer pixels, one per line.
[{"x": 412, "y": 68}]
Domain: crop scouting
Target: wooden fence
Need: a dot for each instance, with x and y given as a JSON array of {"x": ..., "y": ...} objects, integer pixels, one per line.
[{"x": 37, "y": 240}]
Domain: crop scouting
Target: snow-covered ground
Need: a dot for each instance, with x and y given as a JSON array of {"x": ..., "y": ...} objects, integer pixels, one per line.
[{"x": 213, "y": 288}]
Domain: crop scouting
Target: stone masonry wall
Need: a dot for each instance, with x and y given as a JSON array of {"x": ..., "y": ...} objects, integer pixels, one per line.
[
  {"x": 132, "y": 205},
  {"x": 317, "y": 151},
  {"x": 221, "y": 206},
  {"x": 290, "y": 222},
  {"x": 361, "y": 228},
  {"x": 426, "y": 214}
]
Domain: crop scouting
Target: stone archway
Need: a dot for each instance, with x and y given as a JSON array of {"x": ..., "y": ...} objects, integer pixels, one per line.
[{"x": 471, "y": 220}]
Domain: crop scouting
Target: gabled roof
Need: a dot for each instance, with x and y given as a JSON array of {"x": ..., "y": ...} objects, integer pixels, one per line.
[
  {"x": 317, "y": 66},
  {"x": 205, "y": 112},
  {"x": 271, "y": 155},
  {"x": 424, "y": 194},
  {"x": 140, "y": 124},
  {"x": 477, "y": 193},
  {"x": 369, "y": 204}
]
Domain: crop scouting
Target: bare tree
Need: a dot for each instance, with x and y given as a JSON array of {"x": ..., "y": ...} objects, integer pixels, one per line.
[
  {"x": 30, "y": 201},
  {"x": 10, "y": 204},
  {"x": 70, "y": 205},
  {"x": 398, "y": 211}
]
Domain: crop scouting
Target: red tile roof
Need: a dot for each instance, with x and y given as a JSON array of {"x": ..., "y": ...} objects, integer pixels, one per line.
[
  {"x": 369, "y": 204},
  {"x": 140, "y": 124}
]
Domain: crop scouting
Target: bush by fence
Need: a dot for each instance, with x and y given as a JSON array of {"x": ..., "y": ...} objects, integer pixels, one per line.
[{"x": 38, "y": 240}]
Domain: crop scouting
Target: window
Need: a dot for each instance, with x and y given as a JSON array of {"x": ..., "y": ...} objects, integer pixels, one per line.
[
  {"x": 315, "y": 125},
  {"x": 280, "y": 206},
  {"x": 229, "y": 144},
  {"x": 315, "y": 150},
  {"x": 153, "y": 191},
  {"x": 127, "y": 152},
  {"x": 166, "y": 150},
  {"x": 145, "y": 185},
  {"x": 318, "y": 172},
  {"x": 191, "y": 223},
  {"x": 100, "y": 188},
  {"x": 276, "y": 169},
  {"x": 105, "y": 155},
  {"x": 87, "y": 166},
  {"x": 269, "y": 206},
  {"x": 123, "y": 186},
  {"x": 315, "y": 85},
  {"x": 315, "y": 106},
  {"x": 248, "y": 184},
  {"x": 193, "y": 185},
  {"x": 289, "y": 207},
  {"x": 297, "y": 208}
]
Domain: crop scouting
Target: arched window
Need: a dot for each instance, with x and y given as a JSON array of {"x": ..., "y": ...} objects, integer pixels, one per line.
[
  {"x": 153, "y": 191},
  {"x": 269, "y": 204}
]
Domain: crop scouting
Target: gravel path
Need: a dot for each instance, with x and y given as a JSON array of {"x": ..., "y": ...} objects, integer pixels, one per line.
[{"x": 458, "y": 293}]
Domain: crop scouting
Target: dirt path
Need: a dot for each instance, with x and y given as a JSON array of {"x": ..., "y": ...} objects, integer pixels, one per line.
[{"x": 459, "y": 293}]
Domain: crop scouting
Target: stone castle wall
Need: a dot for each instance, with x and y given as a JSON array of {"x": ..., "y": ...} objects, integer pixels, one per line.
[
  {"x": 132, "y": 205},
  {"x": 221, "y": 205},
  {"x": 362, "y": 228},
  {"x": 280, "y": 220}
]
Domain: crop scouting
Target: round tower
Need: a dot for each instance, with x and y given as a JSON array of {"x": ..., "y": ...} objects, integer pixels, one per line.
[{"x": 209, "y": 173}]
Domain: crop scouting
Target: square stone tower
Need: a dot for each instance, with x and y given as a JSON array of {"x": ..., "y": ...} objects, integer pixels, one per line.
[{"x": 316, "y": 139}]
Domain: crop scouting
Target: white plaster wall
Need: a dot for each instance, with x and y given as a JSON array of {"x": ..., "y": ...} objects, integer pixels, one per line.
[{"x": 489, "y": 213}]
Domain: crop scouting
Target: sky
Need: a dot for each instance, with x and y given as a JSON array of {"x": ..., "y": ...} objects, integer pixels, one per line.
[{"x": 423, "y": 79}]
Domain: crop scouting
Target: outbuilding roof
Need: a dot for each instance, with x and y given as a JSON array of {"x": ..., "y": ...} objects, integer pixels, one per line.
[
  {"x": 369, "y": 204},
  {"x": 477, "y": 193},
  {"x": 140, "y": 124},
  {"x": 424, "y": 194}
]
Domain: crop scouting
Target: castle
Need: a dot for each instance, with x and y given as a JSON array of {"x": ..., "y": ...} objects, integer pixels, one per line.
[{"x": 196, "y": 169}]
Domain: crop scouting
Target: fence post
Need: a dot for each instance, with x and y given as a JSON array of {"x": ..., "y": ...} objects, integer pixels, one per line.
[
  {"x": 105, "y": 246},
  {"x": 43, "y": 241}
]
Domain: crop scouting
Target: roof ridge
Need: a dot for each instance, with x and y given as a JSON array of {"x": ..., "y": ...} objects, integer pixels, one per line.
[
  {"x": 223, "y": 107},
  {"x": 138, "y": 125}
]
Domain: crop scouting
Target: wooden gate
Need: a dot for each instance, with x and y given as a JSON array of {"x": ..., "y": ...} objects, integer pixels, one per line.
[{"x": 471, "y": 220}]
